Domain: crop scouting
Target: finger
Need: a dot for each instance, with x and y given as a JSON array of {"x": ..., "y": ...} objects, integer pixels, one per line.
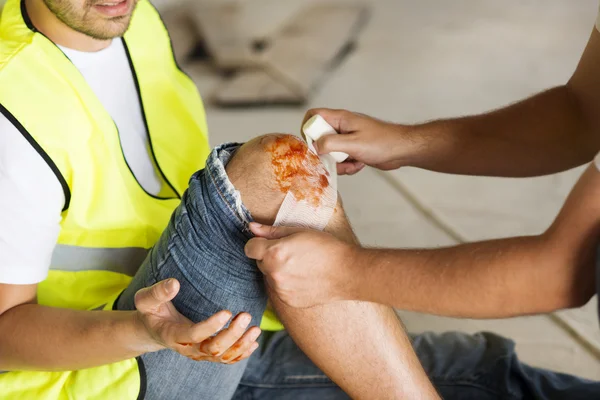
[
  {"x": 242, "y": 346},
  {"x": 353, "y": 168},
  {"x": 349, "y": 167},
  {"x": 190, "y": 335},
  {"x": 203, "y": 330},
  {"x": 147, "y": 299},
  {"x": 247, "y": 354},
  {"x": 204, "y": 357},
  {"x": 273, "y": 232},
  {"x": 345, "y": 143},
  {"x": 357, "y": 168},
  {"x": 222, "y": 341},
  {"x": 256, "y": 248}
]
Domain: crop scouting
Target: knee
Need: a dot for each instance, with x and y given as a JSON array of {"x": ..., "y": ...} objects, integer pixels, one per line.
[
  {"x": 249, "y": 170},
  {"x": 267, "y": 167}
]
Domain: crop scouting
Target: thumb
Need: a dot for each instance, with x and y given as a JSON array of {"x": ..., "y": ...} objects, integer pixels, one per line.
[
  {"x": 273, "y": 232},
  {"x": 343, "y": 142},
  {"x": 148, "y": 299}
]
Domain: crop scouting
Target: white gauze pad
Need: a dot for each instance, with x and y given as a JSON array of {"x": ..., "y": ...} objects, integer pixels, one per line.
[{"x": 312, "y": 212}]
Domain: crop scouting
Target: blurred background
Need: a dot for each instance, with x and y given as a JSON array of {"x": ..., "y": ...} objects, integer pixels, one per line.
[{"x": 404, "y": 61}]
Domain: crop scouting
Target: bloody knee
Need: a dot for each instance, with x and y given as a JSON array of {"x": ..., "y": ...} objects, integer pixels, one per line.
[{"x": 267, "y": 167}]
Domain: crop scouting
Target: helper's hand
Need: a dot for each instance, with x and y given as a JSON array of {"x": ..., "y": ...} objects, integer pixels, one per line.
[
  {"x": 167, "y": 328},
  {"x": 304, "y": 267},
  {"x": 367, "y": 140}
]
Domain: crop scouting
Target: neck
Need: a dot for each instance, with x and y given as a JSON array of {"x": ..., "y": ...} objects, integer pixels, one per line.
[{"x": 54, "y": 29}]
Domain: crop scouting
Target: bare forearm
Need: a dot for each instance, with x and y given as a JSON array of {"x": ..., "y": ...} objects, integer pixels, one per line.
[
  {"x": 543, "y": 134},
  {"x": 493, "y": 279},
  {"x": 36, "y": 337}
]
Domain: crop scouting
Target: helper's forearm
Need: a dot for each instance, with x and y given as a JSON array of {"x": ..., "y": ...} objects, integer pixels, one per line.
[
  {"x": 351, "y": 339},
  {"x": 492, "y": 279},
  {"x": 543, "y": 134},
  {"x": 35, "y": 337}
]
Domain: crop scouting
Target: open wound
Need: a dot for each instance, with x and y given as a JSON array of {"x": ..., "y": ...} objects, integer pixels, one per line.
[{"x": 309, "y": 181}]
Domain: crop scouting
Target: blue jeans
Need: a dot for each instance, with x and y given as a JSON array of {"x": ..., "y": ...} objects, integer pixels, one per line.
[{"x": 203, "y": 247}]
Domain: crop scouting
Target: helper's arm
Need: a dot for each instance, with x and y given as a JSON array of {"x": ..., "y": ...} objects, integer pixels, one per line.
[
  {"x": 552, "y": 131},
  {"x": 491, "y": 279},
  {"x": 35, "y": 337},
  {"x": 549, "y": 132},
  {"x": 496, "y": 278}
]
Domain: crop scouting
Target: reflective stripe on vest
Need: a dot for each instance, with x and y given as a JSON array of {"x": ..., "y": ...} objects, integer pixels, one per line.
[{"x": 77, "y": 258}]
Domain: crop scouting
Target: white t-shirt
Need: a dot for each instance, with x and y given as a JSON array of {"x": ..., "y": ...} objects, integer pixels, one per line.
[{"x": 31, "y": 197}]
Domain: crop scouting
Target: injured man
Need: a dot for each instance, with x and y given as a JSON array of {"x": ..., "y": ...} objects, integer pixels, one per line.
[{"x": 335, "y": 351}]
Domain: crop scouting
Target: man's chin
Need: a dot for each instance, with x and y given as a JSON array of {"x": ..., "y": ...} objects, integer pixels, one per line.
[{"x": 109, "y": 30}]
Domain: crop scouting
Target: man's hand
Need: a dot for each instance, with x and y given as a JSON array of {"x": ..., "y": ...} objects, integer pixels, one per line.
[
  {"x": 167, "y": 328},
  {"x": 367, "y": 140},
  {"x": 304, "y": 267}
]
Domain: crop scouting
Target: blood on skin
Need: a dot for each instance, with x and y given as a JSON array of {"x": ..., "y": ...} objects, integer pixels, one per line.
[
  {"x": 234, "y": 348},
  {"x": 298, "y": 170}
]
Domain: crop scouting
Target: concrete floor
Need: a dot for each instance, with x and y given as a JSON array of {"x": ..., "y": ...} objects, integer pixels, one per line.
[{"x": 429, "y": 59}]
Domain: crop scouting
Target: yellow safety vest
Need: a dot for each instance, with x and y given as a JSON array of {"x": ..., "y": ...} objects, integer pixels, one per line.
[{"x": 108, "y": 221}]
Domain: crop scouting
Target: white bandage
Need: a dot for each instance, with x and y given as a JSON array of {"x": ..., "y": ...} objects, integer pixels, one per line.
[
  {"x": 316, "y": 127},
  {"x": 305, "y": 213}
]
